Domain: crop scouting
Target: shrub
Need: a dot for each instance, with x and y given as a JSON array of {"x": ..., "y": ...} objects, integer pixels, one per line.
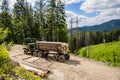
[
  {"x": 20, "y": 71},
  {"x": 4, "y": 57}
]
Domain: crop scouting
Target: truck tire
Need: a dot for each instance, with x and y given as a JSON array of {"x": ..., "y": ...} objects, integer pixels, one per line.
[
  {"x": 61, "y": 58},
  {"x": 55, "y": 57},
  {"x": 40, "y": 54},
  {"x": 25, "y": 51},
  {"x": 67, "y": 56},
  {"x": 35, "y": 54}
]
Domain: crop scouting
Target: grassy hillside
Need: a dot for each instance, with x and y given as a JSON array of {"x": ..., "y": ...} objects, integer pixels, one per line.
[{"x": 108, "y": 53}]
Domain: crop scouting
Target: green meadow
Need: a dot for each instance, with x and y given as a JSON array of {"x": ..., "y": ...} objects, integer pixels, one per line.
[{"x": 106, "y": 52}]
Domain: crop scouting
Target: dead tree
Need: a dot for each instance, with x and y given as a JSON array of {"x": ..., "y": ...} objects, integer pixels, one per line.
[
  {"x": 77, "y": 34},
  {"x": 71, "y": 36},
  {"x": 87, "y": 43}
]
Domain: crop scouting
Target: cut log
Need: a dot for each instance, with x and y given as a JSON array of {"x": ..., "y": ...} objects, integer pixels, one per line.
[
  {"x": 31, "y": 67},
  {"x": 39, "y": 71}
]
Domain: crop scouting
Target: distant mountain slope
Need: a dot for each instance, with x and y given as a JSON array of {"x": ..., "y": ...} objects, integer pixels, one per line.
[{"x": 104, "y": 27}]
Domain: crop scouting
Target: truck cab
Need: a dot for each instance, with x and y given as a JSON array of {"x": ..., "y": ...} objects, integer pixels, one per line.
[{"x": 30, "y": 45}]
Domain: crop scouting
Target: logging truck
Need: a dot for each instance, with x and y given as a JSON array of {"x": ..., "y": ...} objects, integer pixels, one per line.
[{"x": 43, "y": 48}]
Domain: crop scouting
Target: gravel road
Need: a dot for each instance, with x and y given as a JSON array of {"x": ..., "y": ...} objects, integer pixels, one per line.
[{"x": 77, "y": 68}]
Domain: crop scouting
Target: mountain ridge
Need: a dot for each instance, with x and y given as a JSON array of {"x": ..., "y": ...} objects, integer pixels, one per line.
[{"x": 104, "y": 27}]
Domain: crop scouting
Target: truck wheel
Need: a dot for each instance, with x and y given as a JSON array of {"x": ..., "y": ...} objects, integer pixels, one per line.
[
  {"x": 35, "y": 54},
  {"x": 25, "y": 51},
  {"x": 62, "y": 58},
  {"x": 40, "y": 54},
  {"x": 67, "y": 56},
  {"x": 55, "y": 57}
]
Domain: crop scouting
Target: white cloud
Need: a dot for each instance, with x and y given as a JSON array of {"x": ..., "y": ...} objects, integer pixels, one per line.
[
  {"x": 82, "y": 19},
  {"x": 104, "y": 16},
  {"x": 99, "y": 5},
  {"x": 11, "y": 3},
  {"x": 32, "y": 2},
  {"x": 106, "y": 9},
  {"x": 67, "y": 2}
]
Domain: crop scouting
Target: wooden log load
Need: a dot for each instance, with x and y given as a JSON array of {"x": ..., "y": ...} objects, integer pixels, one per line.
[{"x": 52, "y": 46}]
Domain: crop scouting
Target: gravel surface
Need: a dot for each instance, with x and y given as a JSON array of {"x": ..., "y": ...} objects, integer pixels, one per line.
[{"x": 74, "y": 69}]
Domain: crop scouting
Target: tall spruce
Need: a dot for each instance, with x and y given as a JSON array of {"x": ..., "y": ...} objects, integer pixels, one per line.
[
  {"x": 28, "y": 20},
  {"x": 35, "y": 31},
  {"x": 61, "y": 30},
  {"x": 23, "y": 18},
  {"x": 4, "y": 6},
  {"x": 5, "y": 19},
  {"x": 41, "y": 11},
  {"x": 51, "y": 16},
  {"x": 56, "y": 21}
]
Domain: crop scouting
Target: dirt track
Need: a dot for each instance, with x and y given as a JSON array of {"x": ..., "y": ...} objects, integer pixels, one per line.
[{"x": 76, "y": 68}]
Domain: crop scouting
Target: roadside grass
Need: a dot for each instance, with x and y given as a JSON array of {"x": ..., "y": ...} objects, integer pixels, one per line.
[
  {"x": 21, "y": 72},
  {"x": 4, "y": 57},
  {"x": 107, "y": 52}
]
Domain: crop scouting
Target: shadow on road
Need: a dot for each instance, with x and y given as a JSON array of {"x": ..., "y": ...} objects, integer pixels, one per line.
[
  {"x": 69, "y": 62},
  {"x": 73, "y": 62}
]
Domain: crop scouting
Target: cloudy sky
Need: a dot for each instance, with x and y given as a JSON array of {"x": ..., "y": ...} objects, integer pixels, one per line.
[
  {"x": 92, "y": 12},
  {"x": 89, "y": 12}
]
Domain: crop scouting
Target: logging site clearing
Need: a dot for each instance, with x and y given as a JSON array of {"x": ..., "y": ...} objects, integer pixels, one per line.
[{"x": 74, "y": 69}]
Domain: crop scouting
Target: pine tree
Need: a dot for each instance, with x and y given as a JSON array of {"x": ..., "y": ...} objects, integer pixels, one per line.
[
  {"x": 22, "y": 20},
  {"x": 61, "y": 22},
  {"x": 3, "y": 34},
  {"x": 36, "y": 25},
  {"x": 56, "y": 21},
  {"x": 28, "y": 20},
  {"x": 41, "y": 11},
  {"x": 5, "y": 19},
  {"x": 51, "y": 20},
  {"x": 4, "y": 6}
]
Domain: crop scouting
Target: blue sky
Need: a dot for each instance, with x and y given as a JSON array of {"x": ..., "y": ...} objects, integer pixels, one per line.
[
  {"x": 89, "y": 12},
  {"x": 75, "y": 7}
]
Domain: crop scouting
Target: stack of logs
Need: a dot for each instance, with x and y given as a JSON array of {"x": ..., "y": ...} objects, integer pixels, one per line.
[{"x": 52, "y": 46}]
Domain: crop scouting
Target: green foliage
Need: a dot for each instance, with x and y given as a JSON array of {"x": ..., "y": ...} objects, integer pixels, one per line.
[
  {"x": 108, "y": 53},
  {"x": 4, "y": 6},
  {"x": 5, "y": 67},
  {"x": 83, "y": 52},
  {"x": 6, "y": 20},
  {"x": 9, "y": 71},
  {"x": 3, "y": 55},
  {"x": 3, "y": 34},
  {"x": 46, "y": 22},
  {"x": 7, "y": 45},
  {"x": 4, "y": 70},
  {"x": 22, "y": 20},
  {"x": 57, "y": 29}
]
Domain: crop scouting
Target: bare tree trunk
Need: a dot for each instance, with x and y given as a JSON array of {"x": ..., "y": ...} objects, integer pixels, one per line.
[
  {"x": 87, "y": 42},
  {"x": 71, "y": 37},
  {"x": 77, "y": 36}
]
